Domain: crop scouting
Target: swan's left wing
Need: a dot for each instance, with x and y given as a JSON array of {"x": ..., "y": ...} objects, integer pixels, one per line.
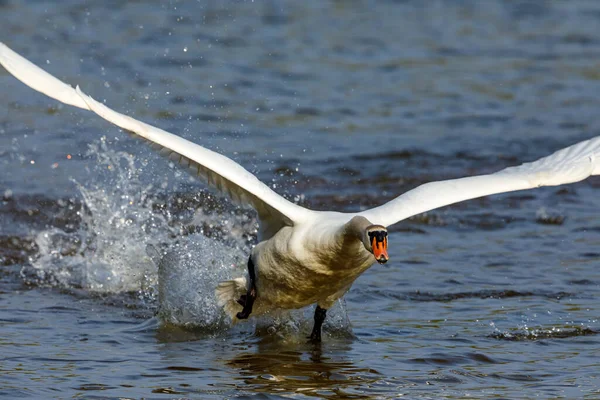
[
  {"x": 571, "y": 164},
  {"x": 217, "y": 170}
]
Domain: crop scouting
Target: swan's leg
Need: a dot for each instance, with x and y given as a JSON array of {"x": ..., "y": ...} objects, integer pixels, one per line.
[
  {"x": 248, "y": 299},
  {"x": 320, "y": 314}
]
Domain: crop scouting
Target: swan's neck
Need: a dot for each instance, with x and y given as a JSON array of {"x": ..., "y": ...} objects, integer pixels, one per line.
[
  {"x": 355, "y": 230},
  {"x": 346, "y": 249}
]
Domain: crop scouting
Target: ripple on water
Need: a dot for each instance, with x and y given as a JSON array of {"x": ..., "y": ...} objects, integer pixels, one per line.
[
  {"x": 541, "y": 334},
  {"x": 418, "y": 296}
]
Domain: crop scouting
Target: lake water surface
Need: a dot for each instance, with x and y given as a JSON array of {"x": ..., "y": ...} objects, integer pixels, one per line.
[{"x": 337, "y": 105}]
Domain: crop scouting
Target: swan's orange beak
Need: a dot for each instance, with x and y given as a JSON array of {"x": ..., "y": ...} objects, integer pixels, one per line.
[{"x": 380, "y": 250}]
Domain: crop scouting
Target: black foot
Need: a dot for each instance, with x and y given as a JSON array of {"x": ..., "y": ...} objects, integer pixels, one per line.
[
  {"x": 242, "y": 315},
  {"x": 248, "y": 303},
  {"x": 247, "y": 300},
  {"x": 314, "y": 339},
  {"x": 315, "y": 336}
]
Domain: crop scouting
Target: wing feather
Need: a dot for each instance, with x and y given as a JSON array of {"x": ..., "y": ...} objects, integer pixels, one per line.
[
  {"x": 217, "y": 170},
  {"x": 569, "y": 165}
]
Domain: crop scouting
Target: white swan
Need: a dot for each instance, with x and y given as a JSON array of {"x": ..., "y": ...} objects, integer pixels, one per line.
[{"x": 304, "y": 256}]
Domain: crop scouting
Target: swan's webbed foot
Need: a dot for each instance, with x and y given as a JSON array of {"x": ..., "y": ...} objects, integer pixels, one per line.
[
  {"x": 247, "y": 300},
  {"x": 315, "y": 336}
]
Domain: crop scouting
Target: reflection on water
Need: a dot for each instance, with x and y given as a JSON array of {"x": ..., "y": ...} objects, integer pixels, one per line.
[
  {"x": 310, "y": 370},
  {"x": 270, "y": 358},
  {"x": 263, "y": 364}
]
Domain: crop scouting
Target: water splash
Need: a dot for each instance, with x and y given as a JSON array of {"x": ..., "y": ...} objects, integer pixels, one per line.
[
  {"x": 106, "y": 252},
  {"x": 188, "y": 275}
]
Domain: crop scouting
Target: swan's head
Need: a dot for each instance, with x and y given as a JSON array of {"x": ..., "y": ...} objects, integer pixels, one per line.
[{"x": 376, "y": 242}]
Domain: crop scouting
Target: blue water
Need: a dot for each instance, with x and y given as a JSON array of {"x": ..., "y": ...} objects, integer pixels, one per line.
[{"x": 337, "y": 105}]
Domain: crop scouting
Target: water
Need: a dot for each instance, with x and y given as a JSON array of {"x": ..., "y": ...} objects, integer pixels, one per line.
[{"x": 337, "y": 105}]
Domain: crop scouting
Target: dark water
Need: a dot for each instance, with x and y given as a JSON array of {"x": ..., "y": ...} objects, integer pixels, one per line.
[{"x": 339, "y": 105}]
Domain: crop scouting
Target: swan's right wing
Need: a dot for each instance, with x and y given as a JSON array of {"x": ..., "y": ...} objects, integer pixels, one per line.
[
  {"x": 217, "y": 170},
  {"x": 571, "y": 164}
]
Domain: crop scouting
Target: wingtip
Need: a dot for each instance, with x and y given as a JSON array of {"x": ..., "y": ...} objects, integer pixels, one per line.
[
  {"x": 80, "y": 94},
  {"x": 86, "y": 97},
  {"x": 83, "y": 96}
]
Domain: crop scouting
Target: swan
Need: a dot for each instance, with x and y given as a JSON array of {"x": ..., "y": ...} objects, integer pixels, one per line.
[{"x": 303, "y": 256}]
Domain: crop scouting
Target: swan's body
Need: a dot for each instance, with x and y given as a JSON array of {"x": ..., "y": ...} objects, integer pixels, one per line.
[
  {"x": 312, "y": 262},
  {"x": 303, "y": 256}
]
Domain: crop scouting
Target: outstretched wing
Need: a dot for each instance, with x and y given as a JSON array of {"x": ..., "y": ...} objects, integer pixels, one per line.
[
  {"x": 571, "y": 164},
  {"x": 217, "y": 170}
]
